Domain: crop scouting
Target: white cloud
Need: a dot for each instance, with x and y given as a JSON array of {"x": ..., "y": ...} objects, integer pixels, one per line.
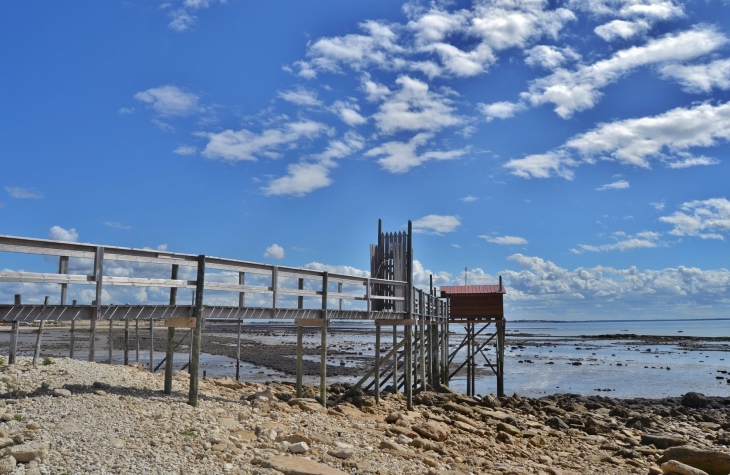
[
  {"x": 440, "y": 35},
  {"x": 375, "y": 47},
  {"x": 574, "y": 91},
  {"x": 23, "y": 193},
  {"x": 170, "y": 101},
  {"x": 57, "y": 233},
  {"x": 469, "y": 199},
  {"x": 616, "y": 185},
  {"x": 544, "y": 288},
  {"x": 307, "y": 176},
  {"x": 658, "y": 206},
  {"x": 624, "y": 242},
  {"x": 349, "y": 113},
  {"x": 666, "y": 137},
  {"x": 400, "y": 157},
  {"x": 185, "y": 150},
  {"x": 500, "y": 110},
  {"x": 650, "y": 10},
  {"x": 549, "y": 57},
  {"x": 301, "y": 97},
  {"x": 505, "y": 240},
  {"x": 181, "y": 20},
  {"x": 436, "y": 224},
  {"x": 274, "y": 252},
  {"x": 126, "y": 110},
  {"x": 700, "y": 77},
  {"x": 116, "y": 225},
  {"x": 557, "y": 162},
  {"x": 415, "y": 108},
  {"x": 245, "y": 145},
  {"x": 346, "y": 270},
  {"x": 702, "y": 218},
  {"x": 622, "y": 29}
]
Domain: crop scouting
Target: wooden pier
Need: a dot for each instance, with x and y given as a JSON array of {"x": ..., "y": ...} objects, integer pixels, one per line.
[{"x": 418, "y": 360}]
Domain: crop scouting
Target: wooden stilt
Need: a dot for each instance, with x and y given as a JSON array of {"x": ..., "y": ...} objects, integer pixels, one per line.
[
  {"x": 136, "y": 336},
  {"x": 408, "y": 367},
  {"x": 72, "y": 337},
  {"x": 14, "y": 334},
  {"x": 395, "y": 359},
  {"x": 377, "y": 364},
  {"x": 126, "y": 342},
  {"x": 197, "y": 333},
  {"x": 152, "y": 346},
  {"x": 39, "y": 335},
  {"x": 110, "y": 343},
  {"x": 422, "y": 339},
  {"x": 300, "y": 332},
  {"x": 238, "y": 350}
]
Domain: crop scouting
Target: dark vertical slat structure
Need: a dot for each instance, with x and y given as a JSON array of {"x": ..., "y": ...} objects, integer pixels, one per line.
[{"x": 323, "y": 357}]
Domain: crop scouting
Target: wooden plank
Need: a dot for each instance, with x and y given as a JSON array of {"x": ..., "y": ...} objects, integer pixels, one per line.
[
  {"x": 323, "y": 347},
  {"x": 180, "y": 322}
]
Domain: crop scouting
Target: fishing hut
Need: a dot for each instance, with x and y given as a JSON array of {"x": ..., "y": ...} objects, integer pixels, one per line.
[{"x": 480, "y": 308}]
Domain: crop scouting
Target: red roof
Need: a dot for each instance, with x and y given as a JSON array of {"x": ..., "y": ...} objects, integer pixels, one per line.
[{"x": 447, "y": 290}]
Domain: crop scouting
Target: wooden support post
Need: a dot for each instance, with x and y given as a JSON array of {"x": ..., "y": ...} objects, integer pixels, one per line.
[
  {"x": 323, "y": 357},
  {"x": 300, "y": 337},
  {"x": 300, "y": 332},
  {"x": 395, "y": 359},
  {"x": 14, "y": 326},
  {"x": 136, "y": 336},
  {"x": 241, "y": 295},
  {"x": 72, "y": 342},
  {"x": 63, "y": 269},
  {"x": 408, "y": 367},
  {"x": 197, "y": 333},
  {"x": 110, "y": 343},
  {"x": 152, "y": 346},
  {"x": 98, "y": 277},
  {"x": 339, "y": 290},
  {"x": 126, "y": 342},
  {"x": 170, "y": 350},
  {"x": 409, "y": 328},
  {"x": 274, "y": 289},
  {"x": 468, "y": 359},
  {"x": 422, "y": 342},
  {"x": 238, "y": 350},
  {"x": 500, "y": 357},
  {"x": 39, "y": 336},
  {"x": 377, "y": 364}
]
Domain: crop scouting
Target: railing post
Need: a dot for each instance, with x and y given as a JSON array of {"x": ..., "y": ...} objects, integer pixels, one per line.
[
  {"x": 422, "y": 349},
  {"x": 409, "y": 328},
  {"x": 274, "y": 287},
  {"x": 197, "y": 333},
  {"x": 300, "y": 331},
  {"x": 39, "y": 336},
  {"x": 170, "y": 351},
  {"x": 98, "y": 278},
  {"x": 323, "y": 356}
]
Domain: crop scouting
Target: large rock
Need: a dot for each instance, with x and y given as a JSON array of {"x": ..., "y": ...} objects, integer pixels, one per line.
[
  {"x": 433, "y": 430},
  {"x": 662, "y": 441},
  {"x": 680, "y": 468},
  {"x": 59, "y": 392},
  {"x": 557, "y": 424},
  {"x": 299, "y": 466},
  {"x": 694, "y": 400},
  {"x": 27, "y": 452},
  {"x": 7, "y": 464},
  {"x": 452, "y": 406},
  {"x": 711, "y": 461}
]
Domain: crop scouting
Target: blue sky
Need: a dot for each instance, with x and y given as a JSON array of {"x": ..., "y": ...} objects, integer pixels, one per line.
[{"x": 578, "y": 148}]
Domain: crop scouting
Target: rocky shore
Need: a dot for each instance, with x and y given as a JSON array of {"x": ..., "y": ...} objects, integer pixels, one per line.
[{"x": 73, "y": 417}]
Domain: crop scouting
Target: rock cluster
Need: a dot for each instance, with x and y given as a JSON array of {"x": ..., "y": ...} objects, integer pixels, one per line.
[{"x": 74, "y": 417}]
